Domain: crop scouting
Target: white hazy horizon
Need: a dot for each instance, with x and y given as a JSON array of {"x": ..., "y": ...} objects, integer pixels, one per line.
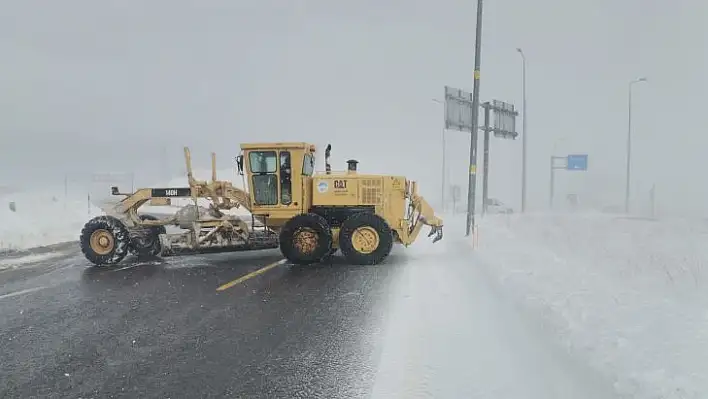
[{"x": 116, "y": 86}]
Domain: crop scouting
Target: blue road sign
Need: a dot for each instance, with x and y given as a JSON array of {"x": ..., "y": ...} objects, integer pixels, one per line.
[{"x": 577, "y": 162}]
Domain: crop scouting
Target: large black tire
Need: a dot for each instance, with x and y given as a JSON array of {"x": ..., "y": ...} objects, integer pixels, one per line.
[
  {"x": 291, "y": 241},
  {"x": 110, "y": 242},
  {"x": 145, "y": 241},
  {"x": 376, "y": 224}
]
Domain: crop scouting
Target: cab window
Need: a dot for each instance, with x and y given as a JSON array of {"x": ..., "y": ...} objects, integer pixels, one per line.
[
  {"x": 264, "y": 166},
  {"x": 308, "y": 165},
  {"x": 262, "y": 161},
  {"x": 285, "y": 178}
]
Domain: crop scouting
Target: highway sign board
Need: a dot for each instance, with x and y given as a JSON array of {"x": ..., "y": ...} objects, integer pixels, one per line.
[
  {"x": 577, "y": 162},
  {"x": 458, "y": 110}
]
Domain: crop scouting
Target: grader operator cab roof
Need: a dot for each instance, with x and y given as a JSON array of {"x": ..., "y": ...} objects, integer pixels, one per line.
[
  {"x": 260, "y": 146},
  {"x": 307, "y": 147}
]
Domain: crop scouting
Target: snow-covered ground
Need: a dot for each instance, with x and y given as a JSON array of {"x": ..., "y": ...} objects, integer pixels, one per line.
[
  {"x": 46, "y": 218},
  {"x": 628, "y": 295},
  {"x": 32, "y": 259},
  {"x": 41, "y": 219}
]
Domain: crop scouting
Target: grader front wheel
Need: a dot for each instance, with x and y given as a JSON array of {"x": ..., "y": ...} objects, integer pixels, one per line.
[
  {"x": 365, "y": 239},
  {"x": 104, "y": 240}
]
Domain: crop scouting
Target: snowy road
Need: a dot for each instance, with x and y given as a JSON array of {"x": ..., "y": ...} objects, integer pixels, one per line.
[
  {"x": 427, "y": 324},
  {"x": 452, "y": 334}
]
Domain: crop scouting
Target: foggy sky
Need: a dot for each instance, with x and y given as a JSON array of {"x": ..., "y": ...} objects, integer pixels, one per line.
[{"x": 119, "y": 86}]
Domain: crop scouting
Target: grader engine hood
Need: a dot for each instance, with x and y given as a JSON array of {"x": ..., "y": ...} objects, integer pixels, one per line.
[
  {"x": 347, "y": 190},
  {"x": 392, "y": 197}
]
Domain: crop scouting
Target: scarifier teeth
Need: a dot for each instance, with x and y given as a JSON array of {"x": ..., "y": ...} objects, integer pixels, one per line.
[{"x": 437, "y": 231}]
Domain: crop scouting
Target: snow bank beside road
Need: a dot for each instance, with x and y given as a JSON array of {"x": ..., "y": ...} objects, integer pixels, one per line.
[
  {"x": 628, "y": 295},
  {"x": 41, "y": 220},
  {"x": 45, "y": 218}
]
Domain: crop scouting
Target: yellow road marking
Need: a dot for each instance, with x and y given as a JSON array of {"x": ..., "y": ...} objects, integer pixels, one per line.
[{"x": 250, "y": 275}]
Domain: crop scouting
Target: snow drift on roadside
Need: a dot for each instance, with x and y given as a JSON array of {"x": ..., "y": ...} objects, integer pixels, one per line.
[
  {"x": 41, "y": 220},
  {"x": 629, "y": 295},
  {"x": 45, "y": 218}
]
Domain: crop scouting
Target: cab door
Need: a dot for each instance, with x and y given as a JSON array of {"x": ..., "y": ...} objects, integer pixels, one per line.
[
  {"x": 290, "y": 168},
  {"x": 264, "y": 177}
]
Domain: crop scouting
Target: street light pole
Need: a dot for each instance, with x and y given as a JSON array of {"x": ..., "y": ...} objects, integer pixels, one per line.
[
  {"x": 523, "y": 131},
  {"x": 629, "y": 143},
  {"x": 442, "y": 181}
]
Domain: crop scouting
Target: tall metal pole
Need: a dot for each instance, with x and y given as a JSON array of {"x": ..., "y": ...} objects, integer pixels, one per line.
[
  {"x": 472, "y": 183},
  {"x": 523, "y": 132},
  {"x": 551, "y": 193},
  {"x": 652, "y": 199},
  {"x": 629, "y": 143},
  {"x": 485, "y": 167},
  {"x": 66, "y": 189},
  {"x": 442, "y": 192}
]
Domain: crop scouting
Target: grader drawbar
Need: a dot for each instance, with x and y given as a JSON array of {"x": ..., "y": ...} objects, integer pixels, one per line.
[{"x": 308, "y": 215}]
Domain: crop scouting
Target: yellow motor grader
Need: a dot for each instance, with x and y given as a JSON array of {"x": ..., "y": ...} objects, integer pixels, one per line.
[{"x": 309, "y": 215}]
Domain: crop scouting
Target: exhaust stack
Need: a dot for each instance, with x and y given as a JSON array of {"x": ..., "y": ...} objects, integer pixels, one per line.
[
  {"x": 351, "y": 166},
  {"x": 328, "y": 167}
]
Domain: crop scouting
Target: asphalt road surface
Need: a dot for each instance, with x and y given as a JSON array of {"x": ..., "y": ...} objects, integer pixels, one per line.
[{"x": 428, "y": 323}]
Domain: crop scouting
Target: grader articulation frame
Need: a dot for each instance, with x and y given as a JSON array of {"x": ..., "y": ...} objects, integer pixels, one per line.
[{"x": 307, "y": 215}]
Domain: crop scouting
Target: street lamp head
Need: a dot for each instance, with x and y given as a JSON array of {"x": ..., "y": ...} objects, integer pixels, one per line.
[
  {"x": 642, "y": 80},
  {"x": 519, "y": 50}
]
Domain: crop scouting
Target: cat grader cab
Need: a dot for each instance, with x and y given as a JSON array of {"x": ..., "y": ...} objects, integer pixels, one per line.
[{"x": 308, "y": 215}]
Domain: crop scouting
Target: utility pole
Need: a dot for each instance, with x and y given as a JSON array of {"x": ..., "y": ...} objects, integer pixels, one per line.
[
  {"x": 66, "y": 189},
  {"x": 485, "y": 167},
  {"x": 523, "y": 132},
  {"x": 472, "y": 182},
  {"x": 652, "y": 200},
  {"x": 629, "y": 143},
  {"x": 551, "y": 192}
]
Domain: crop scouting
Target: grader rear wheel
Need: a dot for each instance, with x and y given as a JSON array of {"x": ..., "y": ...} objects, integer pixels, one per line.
[
  {"x": 365, "y": 239},
  {"x": 104, "y": 240},
  {"x": 305, "y": 239},
  {"x": 145, "y": 241}
]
